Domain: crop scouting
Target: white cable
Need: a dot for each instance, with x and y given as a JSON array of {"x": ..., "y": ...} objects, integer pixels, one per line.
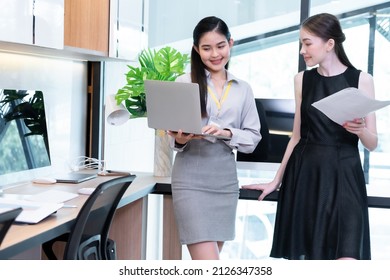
[{"x": 83, "y": 162}]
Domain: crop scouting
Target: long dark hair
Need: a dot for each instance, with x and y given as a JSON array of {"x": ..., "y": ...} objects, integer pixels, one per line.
[
  {"x": 327, "y": 26},
  {"x": 198, "y": 74}
]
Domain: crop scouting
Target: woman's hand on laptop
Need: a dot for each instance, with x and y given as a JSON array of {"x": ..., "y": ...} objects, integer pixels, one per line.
[
  {"x": 182, "y": 138},
  {"x": 216, "y": 130}
]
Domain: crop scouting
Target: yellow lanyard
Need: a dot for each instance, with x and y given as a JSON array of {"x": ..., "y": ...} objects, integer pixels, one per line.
[{"x": 214, "y": 97}]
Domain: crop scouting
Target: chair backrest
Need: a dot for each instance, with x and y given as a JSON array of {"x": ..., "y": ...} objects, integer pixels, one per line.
[
  {"x": 6, "y": 220},
  {"x": 89, "y": 236}
]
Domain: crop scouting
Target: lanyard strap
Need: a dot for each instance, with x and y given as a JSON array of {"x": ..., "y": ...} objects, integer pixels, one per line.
[{"x": 214, "y": 97}]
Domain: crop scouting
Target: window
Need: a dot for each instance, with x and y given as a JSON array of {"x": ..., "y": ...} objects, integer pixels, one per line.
[{"x": 266, "y": 54}]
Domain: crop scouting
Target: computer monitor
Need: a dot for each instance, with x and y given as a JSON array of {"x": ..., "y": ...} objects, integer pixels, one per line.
[
  {"x": 24, "y": 143},
  {"x": 277, "y": 119},
  {"x": 280, "y": 119},
  {"x": 279, "y": 114}
]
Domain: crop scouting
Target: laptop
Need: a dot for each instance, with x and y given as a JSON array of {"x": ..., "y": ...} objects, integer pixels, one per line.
[
  {"x": 74, "y": 177},
  {"x": 173, "y": 106}
]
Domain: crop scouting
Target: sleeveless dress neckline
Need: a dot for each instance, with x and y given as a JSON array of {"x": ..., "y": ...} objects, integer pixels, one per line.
[{"x": 333, "y": 76}]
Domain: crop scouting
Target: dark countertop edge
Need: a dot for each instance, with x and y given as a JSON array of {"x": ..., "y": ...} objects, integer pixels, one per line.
[{"x": 373, "y": 201}]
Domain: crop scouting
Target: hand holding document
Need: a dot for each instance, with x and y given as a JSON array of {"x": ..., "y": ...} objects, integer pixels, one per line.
[{"x": 348, "y": 104}]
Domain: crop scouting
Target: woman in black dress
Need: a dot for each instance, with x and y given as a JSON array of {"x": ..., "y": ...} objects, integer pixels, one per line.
[{"x": 322, "y": 211}]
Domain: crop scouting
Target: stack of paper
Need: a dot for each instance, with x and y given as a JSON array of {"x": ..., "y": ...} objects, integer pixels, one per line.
[
  {"x": 348, "y": 104},
  {"x": 36, "y": 207},
  {"x": 52, "y": 196},
  {"x": 33, "y": 212}
]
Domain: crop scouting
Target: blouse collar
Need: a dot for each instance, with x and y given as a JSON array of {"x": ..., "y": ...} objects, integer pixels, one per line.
[{"x": 230, "y": 76}]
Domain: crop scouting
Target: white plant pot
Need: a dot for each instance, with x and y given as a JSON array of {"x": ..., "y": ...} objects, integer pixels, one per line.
[{"x": 163, "y": 155}]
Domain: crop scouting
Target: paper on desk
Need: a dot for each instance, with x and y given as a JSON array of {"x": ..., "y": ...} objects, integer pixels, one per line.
[
  {"x": 52, "y": 196},
  {"x": 6, "y": 208},
  {"x": 33, "y": 212},
  {"x": 348, "y": 104}
]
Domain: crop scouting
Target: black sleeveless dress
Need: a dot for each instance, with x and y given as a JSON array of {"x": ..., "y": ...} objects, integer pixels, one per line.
[{"x": 322, "y": 211}]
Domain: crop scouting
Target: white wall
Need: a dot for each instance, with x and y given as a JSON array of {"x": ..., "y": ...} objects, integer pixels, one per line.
[
  {"x": 129, "y": 146},
  {"x": 64, "y": 85}
]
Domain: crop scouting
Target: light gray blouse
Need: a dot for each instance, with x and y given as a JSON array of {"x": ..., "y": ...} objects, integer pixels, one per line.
[{"x": 237, "y": 113}]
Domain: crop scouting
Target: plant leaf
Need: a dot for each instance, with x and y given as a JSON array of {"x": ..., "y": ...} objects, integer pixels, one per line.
[
  {"x": 170, "y": 63},
  {"x": 136, "y": 106},
  {"x": 146, "y": 59}
]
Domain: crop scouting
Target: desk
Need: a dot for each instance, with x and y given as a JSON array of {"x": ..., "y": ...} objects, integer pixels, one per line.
[
  {"x": 129, "y": 225},
  {"x": 131, "y": 212},
  {"x": 248, "y": 172}
]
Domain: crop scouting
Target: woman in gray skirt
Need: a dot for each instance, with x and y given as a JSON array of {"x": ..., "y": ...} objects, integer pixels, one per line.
[{"x": 204, "y": 179}]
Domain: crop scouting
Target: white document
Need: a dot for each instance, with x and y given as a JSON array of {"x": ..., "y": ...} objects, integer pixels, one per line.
[
  {"x": 348, "y": 104},
  {"x": 33, "y": 212},
  {"x": 6, "y": 208},
  {"x": 53, "y": 196}
]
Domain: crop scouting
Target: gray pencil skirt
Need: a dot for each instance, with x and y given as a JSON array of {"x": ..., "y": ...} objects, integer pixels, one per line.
[{"x": 205, "y": 192}]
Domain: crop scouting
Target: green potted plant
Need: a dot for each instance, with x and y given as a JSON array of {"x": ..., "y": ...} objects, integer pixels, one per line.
[{"x": 164, "y": 64}]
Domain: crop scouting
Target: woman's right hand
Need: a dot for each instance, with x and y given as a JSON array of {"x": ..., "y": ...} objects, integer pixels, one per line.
[
  {"x": 182, "y": 138},
  {"x": 266, "y": 188}
]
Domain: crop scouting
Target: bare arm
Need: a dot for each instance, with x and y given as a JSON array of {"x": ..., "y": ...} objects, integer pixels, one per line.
[
  {"x": 365, "y": 128},
  {"x": 296, "y": 136}
]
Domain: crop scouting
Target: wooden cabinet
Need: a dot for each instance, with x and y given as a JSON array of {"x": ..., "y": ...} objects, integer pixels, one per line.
[
  {"x": 49, "y": 23},
  {"x": 127, "y": 28},
  {"x": 87, "y": 25},
  {"x": 82, "y": 29},
  {"x": 32, "y": 22},
  {"x": 16, "y": 21}
]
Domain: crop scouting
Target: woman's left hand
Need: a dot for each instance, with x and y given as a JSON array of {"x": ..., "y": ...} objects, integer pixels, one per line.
[{"x": 357, "y": 126}]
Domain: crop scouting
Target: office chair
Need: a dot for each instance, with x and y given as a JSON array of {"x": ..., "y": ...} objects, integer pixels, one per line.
[
  {"x": 6, "y": 220},
  {"x": 260, "y": 154},
  {"x": 88, "y": 239}
]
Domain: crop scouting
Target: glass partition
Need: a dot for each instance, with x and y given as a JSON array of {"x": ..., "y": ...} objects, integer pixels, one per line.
[
  {"x": 266, "y": 54},
  {"x": 269, "y": 62}
]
